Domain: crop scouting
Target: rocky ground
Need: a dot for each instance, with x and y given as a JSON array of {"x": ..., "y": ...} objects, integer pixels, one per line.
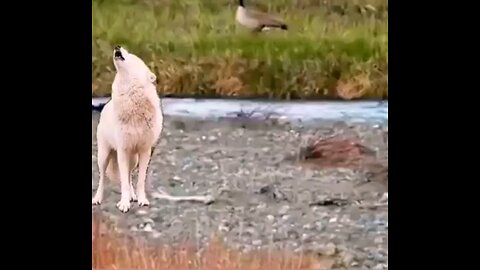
[{"x": 266, "y": 194}]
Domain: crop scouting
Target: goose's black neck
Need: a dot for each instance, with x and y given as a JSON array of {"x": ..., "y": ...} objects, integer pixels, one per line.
[{"x": 240, "y": 3}]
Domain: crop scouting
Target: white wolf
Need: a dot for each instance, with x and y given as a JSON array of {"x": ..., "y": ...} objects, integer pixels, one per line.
[{"x": 129, "y": 128}]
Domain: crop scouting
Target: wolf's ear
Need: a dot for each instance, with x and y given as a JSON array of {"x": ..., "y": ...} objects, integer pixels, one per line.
[{"x": 152, "y": 77}]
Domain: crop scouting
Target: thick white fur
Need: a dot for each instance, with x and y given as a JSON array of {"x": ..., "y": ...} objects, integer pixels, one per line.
[{"x": 129, "y": 128}]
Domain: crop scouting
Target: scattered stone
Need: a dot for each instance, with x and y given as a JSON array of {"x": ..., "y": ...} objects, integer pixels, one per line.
[
  {"x": 142, "y": 212},
  {"x": 284, "y": 209},
  {"x": 329, "y": 249},
  {"x": 378, "y": 240},
  {"x": 348, "y": 259},
  {"x": 380, "y": 266},
  {"x": 330, "y": 202},
  {"x": 267, "y": 199},
  {"x": 148, "y": 228},
  {"x": 257, "y": 242}
]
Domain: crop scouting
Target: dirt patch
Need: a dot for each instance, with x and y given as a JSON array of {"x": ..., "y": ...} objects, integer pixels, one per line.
[{"x": 340, "y": 152}]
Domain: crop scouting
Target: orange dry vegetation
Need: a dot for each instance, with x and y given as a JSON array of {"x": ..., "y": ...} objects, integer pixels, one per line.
[{"x": 113, "y": 251}]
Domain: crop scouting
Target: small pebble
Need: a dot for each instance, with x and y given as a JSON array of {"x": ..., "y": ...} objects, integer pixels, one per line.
[
  {"x": 378, "y": 240},
  {"x": 329, "y": 249},
  {"x": 380, "y": 266},
  {"x": 148, "y": 228},
  {"x": 333, "y": 220},
  {"x": 369, "y": 264},
  {"x": 320, "y": 227},
  {"x": 305, "y": 237},
  {"x": 308, "y": 226},
  {"x": 142, "y": 212},
  {"x": 156, "y": 234},
  {"x": 257, "y": 242},
  {"x": 347, "y": 259}
]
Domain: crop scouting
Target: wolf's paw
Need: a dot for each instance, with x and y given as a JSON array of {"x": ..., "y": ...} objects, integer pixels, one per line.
[
  {"x": 142, "y": 201},
  {"x": 97, "y": 200},
  {"x": 123, "y": 205},
  {"x": 133, "y": 196}
]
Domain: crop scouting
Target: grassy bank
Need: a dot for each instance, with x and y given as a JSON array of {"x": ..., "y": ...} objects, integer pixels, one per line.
[
  {"x": 114, "y": 251},
  {"x": 334, "y": 48}
]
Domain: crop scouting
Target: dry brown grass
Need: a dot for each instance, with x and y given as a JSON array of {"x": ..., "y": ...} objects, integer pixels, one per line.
[
  {"x": 114, "y": 251},
  {"x": 234, "y": 77}
]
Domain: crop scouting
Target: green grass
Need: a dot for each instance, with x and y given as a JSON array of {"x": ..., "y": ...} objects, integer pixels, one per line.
[{"x": 334, "y": 48}]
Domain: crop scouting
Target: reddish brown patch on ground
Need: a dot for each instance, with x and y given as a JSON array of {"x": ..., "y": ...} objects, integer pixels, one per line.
[{"x": 335, "y": 152}]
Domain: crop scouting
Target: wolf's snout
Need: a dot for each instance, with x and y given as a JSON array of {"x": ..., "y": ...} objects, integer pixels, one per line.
[{"x": 118, "y": 53}]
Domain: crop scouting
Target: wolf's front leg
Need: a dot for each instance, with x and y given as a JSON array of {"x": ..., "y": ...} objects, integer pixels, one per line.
[
  {"x": 103, "y": 159},
  {"x": 124, "y": 167},
  {"x": 143, "y": 161}
]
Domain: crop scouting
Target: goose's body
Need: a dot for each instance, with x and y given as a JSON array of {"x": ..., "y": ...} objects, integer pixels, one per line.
[{"x": 257, "y": 20}]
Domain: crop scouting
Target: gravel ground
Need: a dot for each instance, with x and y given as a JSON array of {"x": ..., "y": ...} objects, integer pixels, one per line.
[{"x": 264, "y": 196}]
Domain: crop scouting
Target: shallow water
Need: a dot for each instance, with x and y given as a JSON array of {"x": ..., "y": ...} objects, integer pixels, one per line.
[{"x": 293, "y": 111}]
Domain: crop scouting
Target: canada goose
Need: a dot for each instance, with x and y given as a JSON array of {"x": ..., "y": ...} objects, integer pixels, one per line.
[{"x": 256, "y": 20}]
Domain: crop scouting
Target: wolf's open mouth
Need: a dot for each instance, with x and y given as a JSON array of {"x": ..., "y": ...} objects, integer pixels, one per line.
[{"x": 118, "y": 55}]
